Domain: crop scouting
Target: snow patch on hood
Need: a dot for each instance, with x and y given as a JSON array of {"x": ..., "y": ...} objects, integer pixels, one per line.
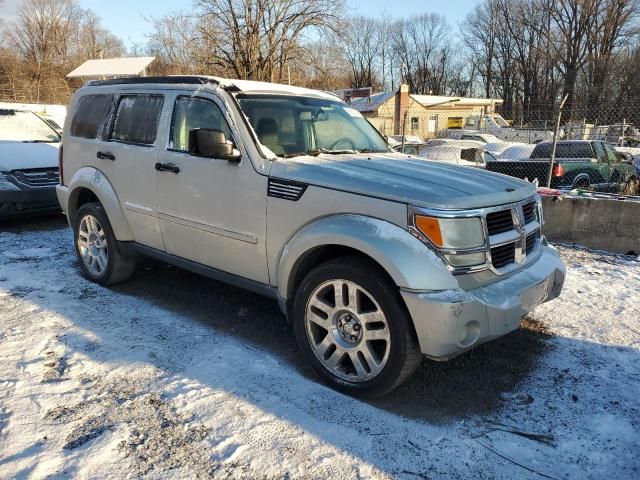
[{"x": 19, "y": 155}]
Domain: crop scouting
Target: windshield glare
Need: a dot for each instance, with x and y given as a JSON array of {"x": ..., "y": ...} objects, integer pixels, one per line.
[
  {"x": 17, "y": 126},
  {"x": 291, "y": 126}
]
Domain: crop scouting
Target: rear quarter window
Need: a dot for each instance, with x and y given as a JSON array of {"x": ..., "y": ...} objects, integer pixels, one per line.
[
  {"x": 137, "y": 119},
  {"x": 90, "y": 117},
  {"x": 564, "y": 150}
]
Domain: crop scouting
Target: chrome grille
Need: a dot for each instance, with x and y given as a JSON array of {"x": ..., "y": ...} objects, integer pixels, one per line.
[
  {"x": 503, "y": 255},
  {"x": 499, "y": 222},
  {"x": 37, "y": 177},
  {"x": 529, "y": 212},
  {"x": 532, "y": 240},
  {"x": 513, "y": 235}
]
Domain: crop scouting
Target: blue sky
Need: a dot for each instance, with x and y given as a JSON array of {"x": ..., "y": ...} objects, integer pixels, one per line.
[{"x": 126, "y": 18}]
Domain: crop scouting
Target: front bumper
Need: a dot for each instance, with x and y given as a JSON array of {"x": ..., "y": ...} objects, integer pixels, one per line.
[
  {"x": 18, "y": 201},
  {"x": 450, "y": 322}
]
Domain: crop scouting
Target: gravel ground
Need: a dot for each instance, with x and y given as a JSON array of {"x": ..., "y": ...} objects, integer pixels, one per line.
[{"x": 172, "y": 375}]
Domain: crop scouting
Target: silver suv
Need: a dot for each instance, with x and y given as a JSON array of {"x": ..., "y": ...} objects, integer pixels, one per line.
[{"x": 375, "y": 257}]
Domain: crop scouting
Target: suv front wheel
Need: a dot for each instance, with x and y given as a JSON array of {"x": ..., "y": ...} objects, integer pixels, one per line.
[
  {"x": 353, "y": 328},
  {"x": 97, "y": 247}
]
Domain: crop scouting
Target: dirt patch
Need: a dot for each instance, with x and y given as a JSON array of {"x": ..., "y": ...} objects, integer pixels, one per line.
[{"x": 158, "y": 438}]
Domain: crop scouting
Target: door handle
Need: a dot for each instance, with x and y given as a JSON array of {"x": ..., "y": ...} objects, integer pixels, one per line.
[
  {"x": 106, "y": 156},
  {"x": 167, "y": 167}
]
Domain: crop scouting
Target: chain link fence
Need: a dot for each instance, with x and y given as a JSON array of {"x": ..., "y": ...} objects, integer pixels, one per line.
[{"x": 579, "y": 147}]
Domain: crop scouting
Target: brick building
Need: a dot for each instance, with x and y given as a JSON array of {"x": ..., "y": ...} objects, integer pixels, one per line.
[{"x": 426, "y": 115}]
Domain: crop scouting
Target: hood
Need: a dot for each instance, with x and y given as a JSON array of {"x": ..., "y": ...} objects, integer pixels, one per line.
[
  {"x": 405, "y": 179},
  {"x": 19, "y": 155}
]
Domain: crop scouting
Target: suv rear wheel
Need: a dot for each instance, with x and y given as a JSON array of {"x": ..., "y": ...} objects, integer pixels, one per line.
[
  {"x": 353, "y": 328},
  {"x": 97, "y": 247}
]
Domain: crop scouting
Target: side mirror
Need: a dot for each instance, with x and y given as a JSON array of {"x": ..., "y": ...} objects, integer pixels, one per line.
[{"x": 211, "y": 143}]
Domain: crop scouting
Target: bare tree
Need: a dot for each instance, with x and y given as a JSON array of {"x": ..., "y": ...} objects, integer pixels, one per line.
[
  {"x": 178, "y": 45},
  {"x": 257, "y": 38},
  {"x": 480, "y": 36},
  {"x": 361, "y": 41},
  {"x": 612, "y": 30},
  {"x": 423, "y": 48},
  {"x": 575, "y": 21},
  {"x": 95, "y": 41}
]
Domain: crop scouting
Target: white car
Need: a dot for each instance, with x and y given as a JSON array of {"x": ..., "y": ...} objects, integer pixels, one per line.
[
  {"x": 28, "y": 164},
  {"x": 472, "y": 136},
  {"x": 454, "y": 154}
]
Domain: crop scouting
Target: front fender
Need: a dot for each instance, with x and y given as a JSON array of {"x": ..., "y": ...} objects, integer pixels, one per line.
[
  {"x": 97, "y": 182},
  {"x": 408, "y": 261}
]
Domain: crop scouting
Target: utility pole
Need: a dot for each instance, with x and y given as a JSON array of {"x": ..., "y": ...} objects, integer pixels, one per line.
[{"x": 555, "y": 141}]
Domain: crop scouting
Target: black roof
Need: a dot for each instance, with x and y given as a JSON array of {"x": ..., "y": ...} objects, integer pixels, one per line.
[{"x": 188, "y": 79}]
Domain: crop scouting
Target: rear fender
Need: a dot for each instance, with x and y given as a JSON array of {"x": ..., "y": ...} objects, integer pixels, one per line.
[{"x": 97, "y": 182}]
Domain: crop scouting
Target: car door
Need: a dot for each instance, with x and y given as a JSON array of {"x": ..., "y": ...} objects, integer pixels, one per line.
[
  {"x": 132, "y": 153},
  {"x": 601, "y": 175},
  {"x": 211, "y": 211}
]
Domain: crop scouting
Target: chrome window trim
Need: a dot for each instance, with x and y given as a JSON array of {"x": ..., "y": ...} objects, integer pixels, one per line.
[{"x": 517, "y": 235}]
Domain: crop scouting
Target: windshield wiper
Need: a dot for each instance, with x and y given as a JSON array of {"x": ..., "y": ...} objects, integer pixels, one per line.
[
  {"x": 337, "y": 152},
  {"x": 372, "y": 150},
  {"x": 39, "y": 141},
  {"x": 313, "y": 153}
]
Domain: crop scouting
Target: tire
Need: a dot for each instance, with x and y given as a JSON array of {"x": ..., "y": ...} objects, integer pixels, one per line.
[
  {"x": 364, "y": 350},
  {"x": 97, "y": 248},
  {"x": 584, "y": 184}
]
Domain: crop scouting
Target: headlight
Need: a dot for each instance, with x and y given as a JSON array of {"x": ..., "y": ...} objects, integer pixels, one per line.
[
  {"x": 452, "y": 233},
  {"x": 458, "y": 239}
]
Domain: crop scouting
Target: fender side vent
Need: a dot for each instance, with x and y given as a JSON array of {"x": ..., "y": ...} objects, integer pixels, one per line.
[{"x": 286, "y": 189}]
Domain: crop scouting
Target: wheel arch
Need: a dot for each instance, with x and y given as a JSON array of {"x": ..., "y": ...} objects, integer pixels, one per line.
[
  {"x": 90, "y": 184},
  {"x": 580, "y": 177},
  {"x": 402, "y": 257}
]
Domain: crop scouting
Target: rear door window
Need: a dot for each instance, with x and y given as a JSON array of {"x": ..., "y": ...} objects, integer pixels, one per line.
[
  {"x": 137, "y": 119},
  {"x": 563, "y": 150},
  {"x": 90, "y": 117}
]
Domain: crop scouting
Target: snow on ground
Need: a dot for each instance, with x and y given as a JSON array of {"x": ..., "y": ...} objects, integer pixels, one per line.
[{"x": 118, "y": 383}]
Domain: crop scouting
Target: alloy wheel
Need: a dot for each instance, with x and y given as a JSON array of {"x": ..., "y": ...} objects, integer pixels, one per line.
[
  {"x": 347, "y": 330},
  {"x": 92, "y": 245}
]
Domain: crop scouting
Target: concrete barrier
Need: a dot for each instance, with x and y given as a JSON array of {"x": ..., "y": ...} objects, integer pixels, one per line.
[{"x": 612, "y": 225}]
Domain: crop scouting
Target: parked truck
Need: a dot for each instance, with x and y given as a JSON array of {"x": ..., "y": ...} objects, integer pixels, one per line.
[{"x": 578, "y": 164}]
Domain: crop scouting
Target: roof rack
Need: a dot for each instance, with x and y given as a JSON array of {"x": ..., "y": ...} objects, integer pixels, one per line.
[{"x": 184, "y": 79}]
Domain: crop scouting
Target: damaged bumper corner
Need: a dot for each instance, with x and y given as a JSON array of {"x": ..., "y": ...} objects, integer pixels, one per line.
[{"x": 450, "y": 322}]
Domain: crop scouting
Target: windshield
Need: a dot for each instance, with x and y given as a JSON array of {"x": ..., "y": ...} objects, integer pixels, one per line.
[
  {"x": 21, "y": 126},
  {"x": 290, "y": 126}
]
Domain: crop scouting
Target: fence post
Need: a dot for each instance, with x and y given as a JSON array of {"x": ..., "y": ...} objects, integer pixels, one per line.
[
  {"x": 621, "y": 141},
  {"x": 404, "y": 128},
  {"x": 555, "y": 141}
]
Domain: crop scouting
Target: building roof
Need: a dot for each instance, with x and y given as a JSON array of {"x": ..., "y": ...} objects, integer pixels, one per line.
[
  {"x": 372, "y": 103},
  {"x": 432, "y": 100},
  {"x": 112, "y": 67},
  {"x": 375, "y": 101}
]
